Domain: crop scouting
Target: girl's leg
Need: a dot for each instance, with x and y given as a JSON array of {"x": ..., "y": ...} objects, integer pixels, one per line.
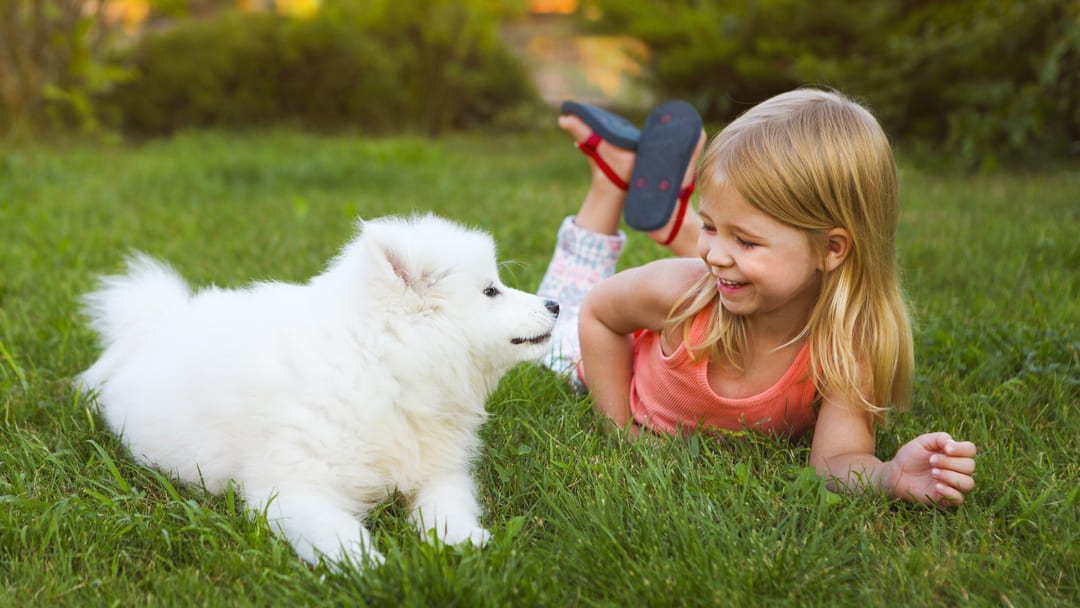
[
  {"x": 589, "y": 243},
  {"x": 602, "y": 208},
  {"x": 581, "y": 260},
  {"x": 587, "y": 248}
]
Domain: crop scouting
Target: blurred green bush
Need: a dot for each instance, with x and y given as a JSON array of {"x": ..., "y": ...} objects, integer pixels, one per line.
[
  {"x": 982, "y": 82},
  {"x": 51, "y": 64},
  {"x": 376, "y": 66}
]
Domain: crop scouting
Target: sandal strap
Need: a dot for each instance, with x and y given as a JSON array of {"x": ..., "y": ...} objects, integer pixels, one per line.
[
  {"x": 588, "y": 147},
  {"x": 684, "y": 200}
]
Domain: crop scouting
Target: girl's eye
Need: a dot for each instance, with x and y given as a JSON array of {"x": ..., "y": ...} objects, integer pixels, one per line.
[
  {"x": 745, "y": 244},
  {"x": 491, "y": 291},
  {"x": 706, "y": 227}
]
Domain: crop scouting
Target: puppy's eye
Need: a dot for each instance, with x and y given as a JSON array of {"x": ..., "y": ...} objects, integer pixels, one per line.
[{"x": 491, "y": 291}]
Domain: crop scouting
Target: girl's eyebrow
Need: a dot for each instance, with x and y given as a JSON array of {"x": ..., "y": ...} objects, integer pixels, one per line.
[{"x": 750, "y": 234}]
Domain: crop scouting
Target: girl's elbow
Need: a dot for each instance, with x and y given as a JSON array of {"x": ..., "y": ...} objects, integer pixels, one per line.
[
  {"x": 587, "y": 311},
  {"x": 819, "y": 465}
]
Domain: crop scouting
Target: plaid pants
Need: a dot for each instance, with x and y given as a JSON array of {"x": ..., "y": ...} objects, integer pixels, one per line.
[{"x": 581, "y": 260}]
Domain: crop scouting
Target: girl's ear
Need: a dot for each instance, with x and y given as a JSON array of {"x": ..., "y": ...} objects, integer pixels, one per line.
[{"x": 837, "y": 248}]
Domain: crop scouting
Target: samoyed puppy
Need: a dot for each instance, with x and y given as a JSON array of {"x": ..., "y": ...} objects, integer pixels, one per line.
[{"x": 322, "y": 399}]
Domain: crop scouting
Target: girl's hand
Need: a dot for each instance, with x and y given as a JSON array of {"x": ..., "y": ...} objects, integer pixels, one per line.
[{"x": 934, "y": 469}]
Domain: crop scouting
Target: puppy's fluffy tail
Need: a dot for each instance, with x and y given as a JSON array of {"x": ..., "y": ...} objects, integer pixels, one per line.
[{"x": 126, "y": 305}]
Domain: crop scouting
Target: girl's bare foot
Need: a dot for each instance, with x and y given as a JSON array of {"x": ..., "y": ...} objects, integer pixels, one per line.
[{"x": 603, "y": 205}]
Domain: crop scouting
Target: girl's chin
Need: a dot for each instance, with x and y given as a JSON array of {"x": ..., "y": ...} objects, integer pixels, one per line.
[{"x": 733, "y": 308}]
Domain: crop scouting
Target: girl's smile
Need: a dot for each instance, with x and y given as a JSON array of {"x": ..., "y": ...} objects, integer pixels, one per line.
[
  {"x": 763, "y": 267},
  {"x": 727, "y": 286}
]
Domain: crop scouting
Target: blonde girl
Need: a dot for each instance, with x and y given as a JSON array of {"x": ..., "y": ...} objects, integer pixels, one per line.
[{"x": 783, "y": 311}]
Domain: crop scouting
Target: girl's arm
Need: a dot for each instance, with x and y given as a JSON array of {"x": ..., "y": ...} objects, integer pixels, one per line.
[
  {"x": 639, "y": 298},
  {"x": 932, "y": 468}
]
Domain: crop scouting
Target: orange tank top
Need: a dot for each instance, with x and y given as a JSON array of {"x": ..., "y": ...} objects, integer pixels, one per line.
[{"x": 669, "y": 392}]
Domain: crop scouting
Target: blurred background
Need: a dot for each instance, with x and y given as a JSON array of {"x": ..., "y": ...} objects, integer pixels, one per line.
[{"x": 979, "y": 83}]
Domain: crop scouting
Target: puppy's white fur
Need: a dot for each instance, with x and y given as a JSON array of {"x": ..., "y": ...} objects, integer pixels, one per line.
[{"x": 323, "y": 398}]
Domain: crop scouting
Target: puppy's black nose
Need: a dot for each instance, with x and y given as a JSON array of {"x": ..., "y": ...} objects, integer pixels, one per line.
[{"x": 553, "y": 306}]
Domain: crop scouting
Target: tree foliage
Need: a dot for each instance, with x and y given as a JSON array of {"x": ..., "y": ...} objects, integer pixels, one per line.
[
  {"x": 50, "y": 61},
  {"x": 982, "y": 80},
  {"x": 378, "y": 66}
]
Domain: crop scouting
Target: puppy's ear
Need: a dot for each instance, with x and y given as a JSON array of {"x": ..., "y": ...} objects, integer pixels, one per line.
[
  {"x": 397, "y": 264},
  {"x": 420, "y": 280},
  {"x": 381, "y": 245},
  {"x": 389, "y": 249}
]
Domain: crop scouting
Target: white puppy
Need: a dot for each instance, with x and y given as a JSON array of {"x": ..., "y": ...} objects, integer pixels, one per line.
[{"x": 322, "y": 399}]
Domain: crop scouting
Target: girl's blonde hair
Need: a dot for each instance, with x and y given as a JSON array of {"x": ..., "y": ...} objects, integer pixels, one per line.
[{"x": 816, "y": 160}]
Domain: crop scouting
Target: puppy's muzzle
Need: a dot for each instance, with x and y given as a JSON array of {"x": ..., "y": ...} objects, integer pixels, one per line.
[{"x": 553, "y": 308}]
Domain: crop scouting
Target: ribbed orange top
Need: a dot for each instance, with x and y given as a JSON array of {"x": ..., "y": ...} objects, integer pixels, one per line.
[{"x": 669, "y": 392}]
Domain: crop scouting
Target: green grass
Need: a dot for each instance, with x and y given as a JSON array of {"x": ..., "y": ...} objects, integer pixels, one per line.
[{"x": 579, "y": 517}]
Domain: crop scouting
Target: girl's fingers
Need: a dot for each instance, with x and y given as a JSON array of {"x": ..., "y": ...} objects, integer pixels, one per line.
[
  {"x": 949, "y": 495},
  {"x": 958, "y": 464},
  {"x": 957, "y": 481},
  {"x": 964, "y": 449}
]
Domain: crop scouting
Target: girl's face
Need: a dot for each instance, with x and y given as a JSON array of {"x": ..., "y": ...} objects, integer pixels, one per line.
[{"x": 764, "y": 269}]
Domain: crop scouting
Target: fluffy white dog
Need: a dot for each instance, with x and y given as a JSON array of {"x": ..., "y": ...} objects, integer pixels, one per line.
[{"x": 322, "y": 399}]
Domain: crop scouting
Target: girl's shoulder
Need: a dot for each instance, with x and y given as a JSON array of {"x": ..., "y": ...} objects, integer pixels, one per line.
[
  {"x": 669, "y": 279},
  {"x": 642, "y": 297},
  {"x": 677, "y": 273}
]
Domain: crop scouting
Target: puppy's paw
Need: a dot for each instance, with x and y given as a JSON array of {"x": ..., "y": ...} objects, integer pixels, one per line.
[
  {"x": 476, "y": 535},
  {"x": 359, "y": 557},
  {"x": 349, "y": 554}
]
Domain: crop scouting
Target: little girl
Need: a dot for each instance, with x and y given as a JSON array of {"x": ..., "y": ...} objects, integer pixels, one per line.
[{"x": 783, "y": 311}]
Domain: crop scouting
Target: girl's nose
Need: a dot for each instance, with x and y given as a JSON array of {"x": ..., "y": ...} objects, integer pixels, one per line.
[{"x": 718, "y": 255}]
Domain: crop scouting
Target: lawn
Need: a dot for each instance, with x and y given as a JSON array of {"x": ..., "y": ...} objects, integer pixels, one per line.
[{"x": 992, "y": 268}]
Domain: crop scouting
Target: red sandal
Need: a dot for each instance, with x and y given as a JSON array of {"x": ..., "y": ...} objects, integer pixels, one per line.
[
  {"x": 668, "y": 140},
  {"x": 588, "y": 147},
  {"x": 684, "y": 201}
]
